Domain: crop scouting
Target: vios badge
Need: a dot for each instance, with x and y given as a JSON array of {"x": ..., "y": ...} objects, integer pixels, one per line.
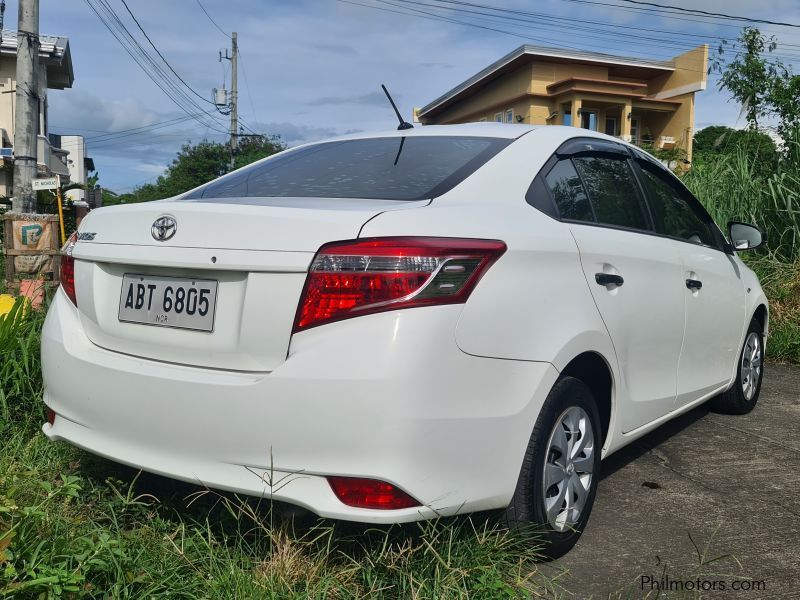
[{"x": 164, "y": 228}]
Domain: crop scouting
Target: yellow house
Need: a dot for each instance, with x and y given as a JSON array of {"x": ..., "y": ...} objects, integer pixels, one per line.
[{"x": 648, "y": 102}]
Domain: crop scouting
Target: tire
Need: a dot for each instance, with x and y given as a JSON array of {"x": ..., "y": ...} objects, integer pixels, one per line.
[
  {"x": 569, "y": 404},
  {"x": 746, "y": 388}
]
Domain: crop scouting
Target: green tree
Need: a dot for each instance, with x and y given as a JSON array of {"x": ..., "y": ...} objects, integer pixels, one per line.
[
  {"x": 751, "y": 75},
  {"x": 784, "y": 97},
  {"x": 710, "y": 142},
  {"x": 200, "y": 163}
]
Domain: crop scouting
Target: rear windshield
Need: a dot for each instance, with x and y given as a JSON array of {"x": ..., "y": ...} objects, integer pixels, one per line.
[{"x": 391, "y": 168}]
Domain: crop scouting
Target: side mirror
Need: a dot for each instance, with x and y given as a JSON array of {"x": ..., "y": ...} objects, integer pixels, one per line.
[{"x": 744, "y": 236}]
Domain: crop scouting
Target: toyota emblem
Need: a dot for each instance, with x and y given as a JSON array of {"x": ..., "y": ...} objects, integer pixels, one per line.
[{"x": 164, "y": 228}]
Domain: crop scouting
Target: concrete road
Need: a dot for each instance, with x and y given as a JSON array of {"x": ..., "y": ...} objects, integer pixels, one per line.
[{"x": 704, "y": 487}]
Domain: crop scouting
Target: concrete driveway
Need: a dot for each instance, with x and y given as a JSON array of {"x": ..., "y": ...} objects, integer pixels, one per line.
[{"x": 704, "y": 487}]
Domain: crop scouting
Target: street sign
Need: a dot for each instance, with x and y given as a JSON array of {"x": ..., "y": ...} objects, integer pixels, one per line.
[{"x": 47, "y": 183}]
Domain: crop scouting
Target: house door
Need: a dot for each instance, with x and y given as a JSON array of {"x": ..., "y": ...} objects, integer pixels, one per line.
[
  {"x": 635, "y": 131},
  {"x": 589, "y": 120}
]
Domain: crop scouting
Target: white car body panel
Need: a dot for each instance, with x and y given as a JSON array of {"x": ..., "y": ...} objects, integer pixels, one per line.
[
  {"x": 647, "y": 349},
  {"x": 361, "y": 398},
  {"x": 708, "y": 350},
  {"x": 437, "y": 400}
]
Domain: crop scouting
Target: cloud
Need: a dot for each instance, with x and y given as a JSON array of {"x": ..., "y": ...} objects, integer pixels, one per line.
[
  {"x": 293, "y": 134},
  {"x": 370, "y": 99},
  {"x": 340, "y": 49},
  {"x": 441, "y": 65},
  {"x": 77, "y": 111}
]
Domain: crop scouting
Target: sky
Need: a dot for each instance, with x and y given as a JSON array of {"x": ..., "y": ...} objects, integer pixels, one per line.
[{"x": 311, "y": 69}]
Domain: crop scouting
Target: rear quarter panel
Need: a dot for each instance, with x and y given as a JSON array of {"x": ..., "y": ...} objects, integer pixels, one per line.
[{"x": 534, "y": 303}]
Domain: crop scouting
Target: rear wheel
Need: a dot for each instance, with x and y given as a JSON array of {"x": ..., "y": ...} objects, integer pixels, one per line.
[
  {"x": 558, "y": 480},
  {"x": 744, "y": 393}
]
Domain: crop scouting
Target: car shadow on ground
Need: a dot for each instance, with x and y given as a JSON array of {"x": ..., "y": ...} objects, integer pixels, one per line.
[{"x": 648, "y": 442}]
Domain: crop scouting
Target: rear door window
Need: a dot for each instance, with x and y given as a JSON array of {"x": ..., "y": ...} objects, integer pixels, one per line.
[
  {"x": 568, "y": 192},
  {"x": 413, "y": 167},
  {"x": 612, "y": 190}
]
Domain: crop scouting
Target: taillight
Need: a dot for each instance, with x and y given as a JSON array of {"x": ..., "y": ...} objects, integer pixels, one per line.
[
  {"x": 359, "y": 277},
  {"x": 67, "y": 273},
  {"x": 370, "y": 493}
]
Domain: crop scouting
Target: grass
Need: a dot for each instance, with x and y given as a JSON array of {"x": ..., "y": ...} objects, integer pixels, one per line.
[{"x": 73, "y": 525}]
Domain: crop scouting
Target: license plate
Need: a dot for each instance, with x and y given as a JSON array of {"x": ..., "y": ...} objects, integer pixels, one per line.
[{"x": 181, "y": 302}]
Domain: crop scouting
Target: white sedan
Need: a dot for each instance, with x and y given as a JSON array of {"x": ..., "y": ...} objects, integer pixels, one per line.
[{"x": 399, "y": 326}]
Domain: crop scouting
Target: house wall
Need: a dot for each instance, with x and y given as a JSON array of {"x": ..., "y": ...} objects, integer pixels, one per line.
[
  {"x": 545, "y": 73},
  {"x": 525, "y": 91},
  {"x": 76, "y": 146},
  {"x": 8, "y": 83},
  {"x": 509, "y": 91}
]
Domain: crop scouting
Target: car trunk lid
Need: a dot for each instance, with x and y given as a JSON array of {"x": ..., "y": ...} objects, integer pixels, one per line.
[{"x": 256, "y": 250}]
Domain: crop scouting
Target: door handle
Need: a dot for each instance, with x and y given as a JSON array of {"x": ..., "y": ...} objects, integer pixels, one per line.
[
  {"x": 694, "y": 284},
  {"x": 608, "y": 279}
]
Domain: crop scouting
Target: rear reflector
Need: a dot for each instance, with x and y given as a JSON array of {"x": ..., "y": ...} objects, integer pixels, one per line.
[
  {"x": 370, "y": 493},
  {"x": 50, "y": 414},
  {"x": 359, "y": 277},
  {"x": 67, "y": 273}
]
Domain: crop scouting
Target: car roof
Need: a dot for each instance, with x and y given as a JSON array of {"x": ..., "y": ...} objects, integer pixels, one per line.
[
  {"x": 494, "y": 130},
  {"x": 510, "y": 131}
]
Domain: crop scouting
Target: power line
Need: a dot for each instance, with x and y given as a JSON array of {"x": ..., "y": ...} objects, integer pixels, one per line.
[
  {"x": 247, "y": 87},
  {"x": 571, "y": 20},
  {"x": 117, "y": 28},
  {"x": 174, "y": 72},
  {"x": 697, "y": 11},
  {"x": 562, "y": 24},
  {"x": 203, "y": 8},
  {"x": 433, "y": 16},
  {"x": 520, "y": 17},
  {"x": 111, "y": 21}
]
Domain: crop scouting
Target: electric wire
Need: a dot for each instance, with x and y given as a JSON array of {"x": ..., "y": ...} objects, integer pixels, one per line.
[{"x": 174, "y": 72}]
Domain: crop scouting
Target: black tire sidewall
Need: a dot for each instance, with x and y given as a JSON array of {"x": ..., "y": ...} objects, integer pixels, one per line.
[
  {"x": 567, "y": 392},
  {"x": 755, "y": 327}
]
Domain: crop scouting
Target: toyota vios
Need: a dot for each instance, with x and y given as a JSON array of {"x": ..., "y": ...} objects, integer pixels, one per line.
[{"x": 398, "y": 326}]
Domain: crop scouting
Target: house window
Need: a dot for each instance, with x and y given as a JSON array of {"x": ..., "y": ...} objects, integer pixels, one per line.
[
  {"x": 589, "y": 119},
  {"x": 498, "y": 117},
  {"x": 510, "y": 116},
  {"x": 566, "y": 111},
  {"x": 611, "y": 126}
]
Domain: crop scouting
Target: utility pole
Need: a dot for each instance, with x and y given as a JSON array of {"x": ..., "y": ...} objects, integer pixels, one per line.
[
  {"x": 234, "y": 95},
  {"x": 26, "y": 114}
]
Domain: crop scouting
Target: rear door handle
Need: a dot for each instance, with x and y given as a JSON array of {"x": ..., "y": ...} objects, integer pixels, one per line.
[
  {"x": 608, "y": 279},
  {"x": 694, "y": 284}
]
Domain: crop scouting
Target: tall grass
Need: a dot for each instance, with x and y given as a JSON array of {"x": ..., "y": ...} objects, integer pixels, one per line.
[
  {"x": 734, "y": 187},
  {"x": 20, "y": 369}
]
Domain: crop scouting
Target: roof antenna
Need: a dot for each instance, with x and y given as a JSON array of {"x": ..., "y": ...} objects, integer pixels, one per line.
[{"x": 403, "y": 124}]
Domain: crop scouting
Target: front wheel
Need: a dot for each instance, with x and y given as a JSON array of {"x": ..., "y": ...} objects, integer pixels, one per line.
[
  {"x": 744, "y": 393},
  {"x": 558, "y": 480}
]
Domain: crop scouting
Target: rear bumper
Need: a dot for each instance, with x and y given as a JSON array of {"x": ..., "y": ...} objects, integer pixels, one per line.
[{"x": 387, "y": 396}]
